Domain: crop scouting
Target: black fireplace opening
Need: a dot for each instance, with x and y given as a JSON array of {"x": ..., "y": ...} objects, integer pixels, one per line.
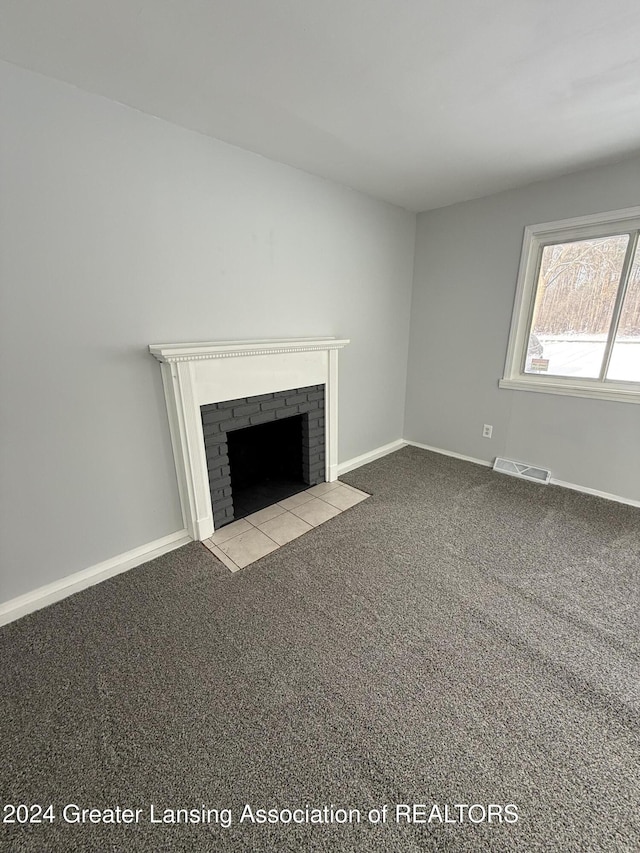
[{"x": 266, "y": 463}]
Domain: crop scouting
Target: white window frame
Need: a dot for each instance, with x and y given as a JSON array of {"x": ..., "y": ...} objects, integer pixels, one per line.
[{"x": 535, "y": 238}]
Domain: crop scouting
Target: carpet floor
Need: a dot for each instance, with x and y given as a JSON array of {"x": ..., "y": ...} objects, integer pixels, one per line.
[{"x": 459, "y": 638}]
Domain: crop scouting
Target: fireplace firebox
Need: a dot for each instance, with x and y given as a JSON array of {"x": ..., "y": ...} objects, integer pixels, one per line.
[
  {"x": 263, "y": 449},
  {"x": 266, "y": 464}
]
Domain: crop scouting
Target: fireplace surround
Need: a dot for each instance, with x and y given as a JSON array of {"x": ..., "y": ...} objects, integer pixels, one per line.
[{"x": 196, "y": 375}]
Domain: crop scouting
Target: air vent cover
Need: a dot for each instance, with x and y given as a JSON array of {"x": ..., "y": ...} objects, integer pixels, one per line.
[{"x": 521, "y": 469}]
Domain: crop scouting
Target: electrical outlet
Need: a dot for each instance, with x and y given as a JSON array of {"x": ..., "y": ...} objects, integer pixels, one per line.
[{"x": 487, "y": 431}]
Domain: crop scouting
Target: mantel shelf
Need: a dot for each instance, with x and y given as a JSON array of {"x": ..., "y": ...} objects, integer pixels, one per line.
[{"x": 170, "y": 353}]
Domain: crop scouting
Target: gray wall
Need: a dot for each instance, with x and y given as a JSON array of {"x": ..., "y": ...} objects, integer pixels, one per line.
[
  {"x": 466, "y": 265},
  {"x": 118, "y": 230}
]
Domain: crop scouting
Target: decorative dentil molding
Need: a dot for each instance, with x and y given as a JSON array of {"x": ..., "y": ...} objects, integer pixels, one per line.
[{"x": 172, "y": 353}]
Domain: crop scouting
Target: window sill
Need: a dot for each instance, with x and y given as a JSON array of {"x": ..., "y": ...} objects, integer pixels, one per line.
[{"x": 574, "y": 389}]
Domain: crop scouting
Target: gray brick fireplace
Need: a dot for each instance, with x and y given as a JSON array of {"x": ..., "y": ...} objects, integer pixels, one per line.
[{"x": 221, "y": 419}]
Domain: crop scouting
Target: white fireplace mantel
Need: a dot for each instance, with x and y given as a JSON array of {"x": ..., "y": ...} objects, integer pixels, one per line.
[{"x": 195, "y": 374}]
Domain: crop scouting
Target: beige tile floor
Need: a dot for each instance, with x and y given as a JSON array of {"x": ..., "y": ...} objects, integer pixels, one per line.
[{"x": 243, "y": 542}]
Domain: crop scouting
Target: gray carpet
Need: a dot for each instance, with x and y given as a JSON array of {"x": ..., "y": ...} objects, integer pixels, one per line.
[{"x": 461, "y": 637}]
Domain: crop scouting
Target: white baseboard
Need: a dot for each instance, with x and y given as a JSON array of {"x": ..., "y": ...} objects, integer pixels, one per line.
[
  {"x": 573, "y": 486},
  {"x": 44, "y": 595},
  {"x": 378, "y": 453},
  {"x": 587, "y": 491},
  {"x": 449, "y": 453}
]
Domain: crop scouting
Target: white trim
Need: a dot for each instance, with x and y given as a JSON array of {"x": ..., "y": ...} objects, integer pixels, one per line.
[
  {"x": 602, "y": 391},
  {"x": 197, "y": 374},
  {"x": 576, "y": 226},
  {"x": 449, "y": 453},
  {"x": 188, "y": 444},
  {"x": 371, "y": 456},
  {"x": 331, "y": 418},
  {"x": 587, "y": 491},
  {"x": 522, "y": 304},
  {"x": 45, "y": 595}
]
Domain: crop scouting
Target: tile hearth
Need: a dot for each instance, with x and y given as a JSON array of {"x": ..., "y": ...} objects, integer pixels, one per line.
[{"x": 242, "y": 542}]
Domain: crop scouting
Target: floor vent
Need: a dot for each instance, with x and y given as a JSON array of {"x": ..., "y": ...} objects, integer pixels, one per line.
[{"x": 520, "y": 469}]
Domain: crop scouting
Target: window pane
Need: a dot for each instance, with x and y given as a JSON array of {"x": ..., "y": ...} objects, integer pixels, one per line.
[
  {"x": 574, "y": 303},
  {"x": 625, "y": 356}
]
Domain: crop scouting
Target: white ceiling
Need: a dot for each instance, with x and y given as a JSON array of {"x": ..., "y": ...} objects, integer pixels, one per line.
[{"x": 419, "y": 102}]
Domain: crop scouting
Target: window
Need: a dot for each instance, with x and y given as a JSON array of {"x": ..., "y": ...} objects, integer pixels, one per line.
[{"x": 576, "y": 319}]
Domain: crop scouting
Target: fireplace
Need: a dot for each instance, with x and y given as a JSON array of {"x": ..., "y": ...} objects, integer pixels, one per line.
[
  {"x": 196, "y": 376},
  {"x": 263, "y": 449}
]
